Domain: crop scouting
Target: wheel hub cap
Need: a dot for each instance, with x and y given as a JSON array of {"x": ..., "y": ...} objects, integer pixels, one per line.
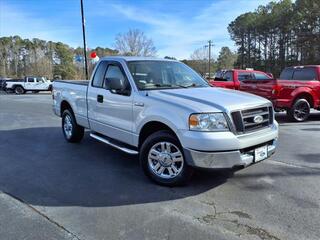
[
  {"x": 165, "y": 160},
  {"x": 67, "y": 126}
]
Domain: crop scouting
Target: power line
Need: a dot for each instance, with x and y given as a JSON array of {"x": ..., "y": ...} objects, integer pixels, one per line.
[{"x": 210, "y": 44}]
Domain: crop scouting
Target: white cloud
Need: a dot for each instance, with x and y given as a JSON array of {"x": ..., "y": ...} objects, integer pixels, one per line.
[{"x": 177, "y": 36}]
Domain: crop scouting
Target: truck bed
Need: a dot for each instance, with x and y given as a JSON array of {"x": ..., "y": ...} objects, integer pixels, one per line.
[
  {"x": 79, "y": 82},
  {"x": 75, "y": 93}
]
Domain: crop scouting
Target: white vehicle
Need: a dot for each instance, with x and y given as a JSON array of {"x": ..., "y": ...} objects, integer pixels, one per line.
[
  {"x": 165, "y": 112},
  {"x": 34, "y": 84}
]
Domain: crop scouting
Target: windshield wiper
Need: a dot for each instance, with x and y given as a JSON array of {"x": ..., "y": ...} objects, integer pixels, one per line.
[
  {"x": 188, "y": 86},
  {"x": 163, "y": 85},
  {"x": 177, "y": 85}
]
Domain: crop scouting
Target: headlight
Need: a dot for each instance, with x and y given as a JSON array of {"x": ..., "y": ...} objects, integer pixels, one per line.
[{"x": 208, "y": 122}]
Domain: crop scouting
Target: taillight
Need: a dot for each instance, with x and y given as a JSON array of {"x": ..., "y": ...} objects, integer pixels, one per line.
[{"x": 276, "y": 90}]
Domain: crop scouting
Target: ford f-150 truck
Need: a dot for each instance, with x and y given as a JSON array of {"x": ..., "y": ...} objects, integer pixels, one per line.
[
  {"x": 34, "y": 84},
  {"x": 239, "y": 79},
  {"x": 165, "y": 112},
  {"x": 297, "y": 90}
]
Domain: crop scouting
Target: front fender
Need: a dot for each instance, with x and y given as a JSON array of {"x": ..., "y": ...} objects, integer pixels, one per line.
[{"x": 173, "y": 118}]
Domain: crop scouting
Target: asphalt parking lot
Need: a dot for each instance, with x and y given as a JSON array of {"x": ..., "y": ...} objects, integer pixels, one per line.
[{"x": 50, "y": 189}]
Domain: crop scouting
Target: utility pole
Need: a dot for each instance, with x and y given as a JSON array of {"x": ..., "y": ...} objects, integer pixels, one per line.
[
  {"x": 210, "y": 44},
  {"x": 84, "y": 41}
]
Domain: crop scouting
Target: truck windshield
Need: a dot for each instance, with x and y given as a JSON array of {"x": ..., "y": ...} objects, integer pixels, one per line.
[{"x": 150, "y": 75}]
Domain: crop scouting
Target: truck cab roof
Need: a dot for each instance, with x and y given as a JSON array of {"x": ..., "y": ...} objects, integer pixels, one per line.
[
  {"x": 135, "y": 58},
  {"x": 303, "y": 66}
]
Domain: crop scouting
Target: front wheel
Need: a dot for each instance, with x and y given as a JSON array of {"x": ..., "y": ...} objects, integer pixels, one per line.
[
  {"x": 163, "y": 161},
  {"x": 71, "y": 130},
  {"x": 300, "y": 110}
]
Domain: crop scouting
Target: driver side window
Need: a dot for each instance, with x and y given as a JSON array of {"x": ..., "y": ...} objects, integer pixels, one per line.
[
  {"x": 115, "y": 72},
  {"x": 228, "y": 77},
  {"x": 242, "y": 76},
  {"x": 261, "y": 76}
]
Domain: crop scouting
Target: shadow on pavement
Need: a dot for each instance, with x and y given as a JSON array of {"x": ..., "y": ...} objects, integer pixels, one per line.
[
  {"x": 41, "y": 168},
  {"x": 282, "y": 118},
  {"x": 310, "y": 157},
  {"x": 311, "y": 129}
]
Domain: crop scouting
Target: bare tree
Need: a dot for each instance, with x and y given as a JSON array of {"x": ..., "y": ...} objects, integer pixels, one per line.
[
  {"x": 200, "y": 54},
  {"x": 199, "y": 60},
  {"x": 134, "y": 43}
]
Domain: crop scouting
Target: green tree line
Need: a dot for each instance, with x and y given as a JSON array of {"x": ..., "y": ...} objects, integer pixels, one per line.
[
  {"x": 277, "y": 35},
  {"x": 22, "y": 57}
]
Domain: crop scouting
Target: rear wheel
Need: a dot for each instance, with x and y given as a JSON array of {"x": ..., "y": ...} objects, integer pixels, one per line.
[
  {"x": 19, "y": 90},
  {"x": 71, "y": 130},
  {"x": 300, "y": 110},
  {"x": 163, "y": 161}
]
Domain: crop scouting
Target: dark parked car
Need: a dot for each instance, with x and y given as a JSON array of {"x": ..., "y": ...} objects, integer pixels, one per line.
[{"x": 3, "y": 83}]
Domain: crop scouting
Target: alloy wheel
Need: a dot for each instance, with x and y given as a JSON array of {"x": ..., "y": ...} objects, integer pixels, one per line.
[
  {"x": 67, "y": 126},
  {"x": 165, "y": 160}
]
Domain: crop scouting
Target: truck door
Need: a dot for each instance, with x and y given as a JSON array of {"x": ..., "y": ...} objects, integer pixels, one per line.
[
  {"x": 40, "y": 84},
  {"x": 264, "y": 85},
  {"x": 247, "y": 82},
  {"x": 226, "y": 81},
  {"x": 29, "y": 83},
  {"x": 110, "y": 113}
]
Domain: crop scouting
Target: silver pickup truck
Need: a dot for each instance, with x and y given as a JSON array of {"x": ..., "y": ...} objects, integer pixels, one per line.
[{"x": 166, "y": 113}]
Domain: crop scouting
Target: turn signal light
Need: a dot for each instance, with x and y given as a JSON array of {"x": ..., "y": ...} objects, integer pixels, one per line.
[{"x": 193, "y": 120}]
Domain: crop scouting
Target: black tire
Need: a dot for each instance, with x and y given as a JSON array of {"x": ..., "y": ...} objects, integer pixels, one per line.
[
  {"x": 300, "y": 110},
  {"x": 76, "y": 133},
  {"x": 154, "y": 139},
  {"x": 19, "y": 90}
]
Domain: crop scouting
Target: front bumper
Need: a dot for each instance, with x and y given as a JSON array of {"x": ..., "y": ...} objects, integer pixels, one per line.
[
  {"x": 226, "y": 159},
  {"x": 225, "y": 149}
]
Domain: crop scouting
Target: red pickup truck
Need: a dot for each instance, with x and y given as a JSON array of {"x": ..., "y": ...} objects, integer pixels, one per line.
[{"x": 297, "y": 90}]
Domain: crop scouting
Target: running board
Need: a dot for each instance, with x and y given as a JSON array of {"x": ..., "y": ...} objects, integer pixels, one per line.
[{"x": 121, "y": 148}]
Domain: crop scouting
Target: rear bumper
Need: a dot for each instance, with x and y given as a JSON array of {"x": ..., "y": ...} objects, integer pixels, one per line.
[
  {"x": 226, "y": 159},
  {"x": 281, "y": 103},
  {"x": 55, "y": 110}
]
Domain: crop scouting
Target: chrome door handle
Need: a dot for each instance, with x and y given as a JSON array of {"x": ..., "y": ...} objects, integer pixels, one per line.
[{"x": 138, "y": 104}]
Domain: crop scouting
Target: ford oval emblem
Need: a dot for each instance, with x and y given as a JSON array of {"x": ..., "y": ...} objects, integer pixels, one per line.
[{"x": 258, "y": 119}]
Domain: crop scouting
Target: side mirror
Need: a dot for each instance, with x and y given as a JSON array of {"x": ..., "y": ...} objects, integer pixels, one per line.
[
  {"x": 270, "y": 75},
  {"x": 117, "y": 85}
]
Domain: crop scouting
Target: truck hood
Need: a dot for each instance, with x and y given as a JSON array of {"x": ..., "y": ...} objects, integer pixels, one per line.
[{"x": 209, "y": 99}]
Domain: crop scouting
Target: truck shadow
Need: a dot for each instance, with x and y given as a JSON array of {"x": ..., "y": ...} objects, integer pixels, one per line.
[
  {"x": 282, "y": 118},
  {"x": 40, "y": 168}
]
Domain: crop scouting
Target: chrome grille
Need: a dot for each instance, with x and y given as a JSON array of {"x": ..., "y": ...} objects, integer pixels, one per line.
[{"x": 244, "y": 120}]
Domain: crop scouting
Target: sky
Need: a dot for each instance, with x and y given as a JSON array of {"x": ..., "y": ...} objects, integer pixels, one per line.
[{"x": 177, "y": 27}]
